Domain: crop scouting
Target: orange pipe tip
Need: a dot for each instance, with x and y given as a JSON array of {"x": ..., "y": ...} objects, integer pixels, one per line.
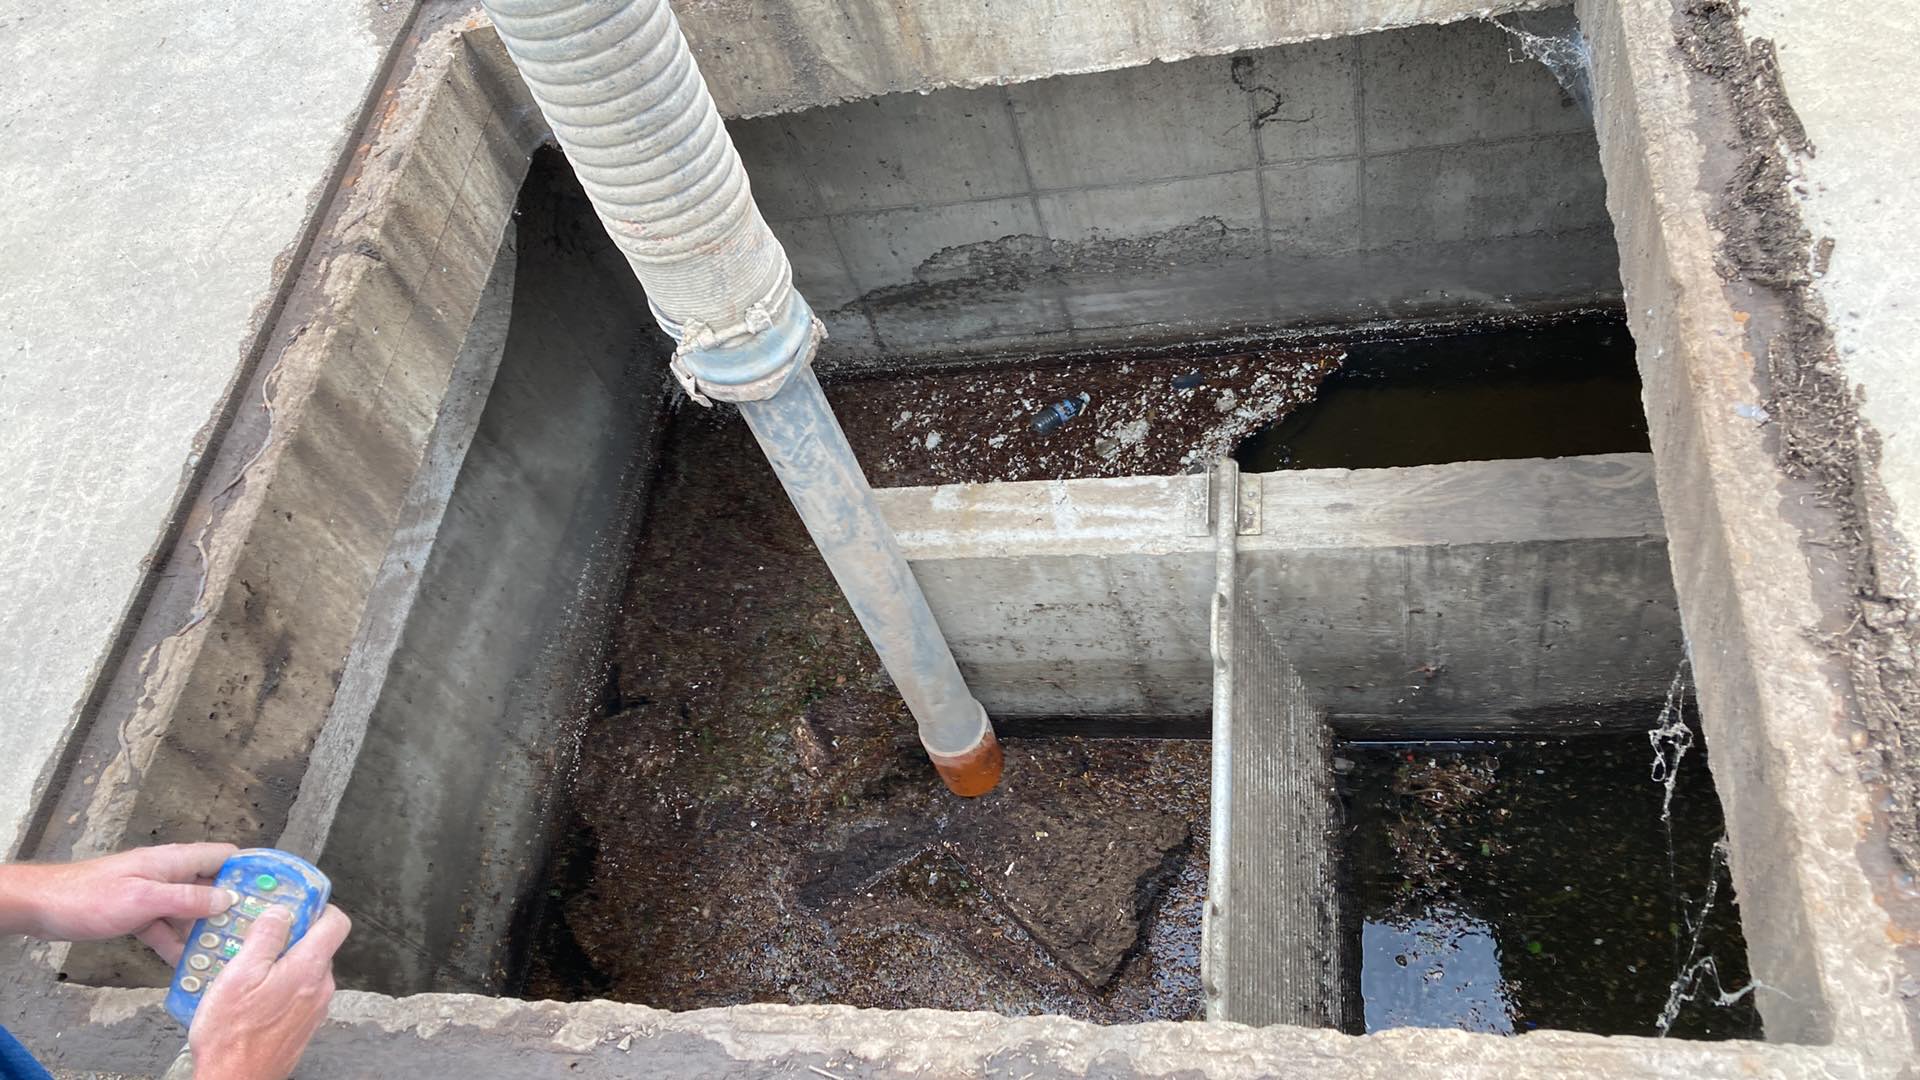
[{"x": 973, "y": 773}]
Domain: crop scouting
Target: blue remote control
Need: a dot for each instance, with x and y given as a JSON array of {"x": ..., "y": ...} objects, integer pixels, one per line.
[{"x": 260, "y": 877}]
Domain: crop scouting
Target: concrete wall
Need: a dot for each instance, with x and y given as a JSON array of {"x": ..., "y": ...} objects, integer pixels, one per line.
[
  {"x": 1819, "y": 911},
  {"x": 1473, "y": 596},
  {"x": 1420, "y": 171},
  {"x": 207, "y": 725},
  {"x": 1764, "y": 560},
  {"x": 777, "y": 56},
  {"x": 109, "y": 1033},
  {"x": 444, "y": 817}
]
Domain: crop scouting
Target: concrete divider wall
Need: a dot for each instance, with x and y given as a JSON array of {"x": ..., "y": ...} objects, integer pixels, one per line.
[
  {"x": 1475, "y": 637},
  {"x": 1094, "y": 634},
  {"x": 1476, "y": 595}
]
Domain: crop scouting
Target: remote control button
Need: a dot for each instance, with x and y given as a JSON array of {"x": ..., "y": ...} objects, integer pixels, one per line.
[
  {"x": 199, "y": 961},
  {"x": 240, "y": 927},
  {"x": 191, "y": 984},
  {"x": 266, "y": 883},
  {"x": 229, "y": 948},
  {"x": 252, "y": 906},
  {"x": 221, "y": 919},
  {"x": 209, "y": 940}
]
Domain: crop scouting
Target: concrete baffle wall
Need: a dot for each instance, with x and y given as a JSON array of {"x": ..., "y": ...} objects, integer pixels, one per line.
[
  {"x": 1407, "y": 172},
  {"x": 1475, "y": 596}
]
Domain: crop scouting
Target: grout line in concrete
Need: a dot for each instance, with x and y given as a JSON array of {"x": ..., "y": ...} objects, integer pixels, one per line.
[
  {"x": 1406, "y": 589},
  {"x": 1253, "y": 124},
  {"x": 1360, "y": 135},
  {"x": 1063, "y": 315},
  {"x": 833, "y": 233},
  {"x": 1464, "y": 144},
  {"x": 1260, "y": 191},
  {"x": 1259, "y": 172},
  {"x": 1026, "y": 169}
]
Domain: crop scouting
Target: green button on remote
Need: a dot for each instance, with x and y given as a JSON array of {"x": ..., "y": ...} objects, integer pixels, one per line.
[{"x": 266, "y": 883}]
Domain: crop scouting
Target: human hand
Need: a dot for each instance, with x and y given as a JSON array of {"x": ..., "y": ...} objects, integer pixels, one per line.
[
  {"x": 259, "y": 1015},
  {"x": 153, "y": 893}
]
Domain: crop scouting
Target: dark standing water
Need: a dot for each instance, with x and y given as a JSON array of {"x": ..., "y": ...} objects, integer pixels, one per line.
[
  {"x": 1545, "y": 389},
  {"x": 1507, "y": 886}
]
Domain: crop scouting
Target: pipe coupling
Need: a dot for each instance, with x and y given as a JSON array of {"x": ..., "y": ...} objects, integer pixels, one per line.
[
  {"x": 974, "y": 770},
  {"x": 750, "y": 368}
]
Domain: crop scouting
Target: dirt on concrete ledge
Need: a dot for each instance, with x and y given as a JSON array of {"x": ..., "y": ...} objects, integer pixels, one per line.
[
  {"x": 1145, "y": 414},
  {"x": 1821, "y": 440}
]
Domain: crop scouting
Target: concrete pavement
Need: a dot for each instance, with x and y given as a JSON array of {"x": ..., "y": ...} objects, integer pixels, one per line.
[{"x": 164, "y": 161}]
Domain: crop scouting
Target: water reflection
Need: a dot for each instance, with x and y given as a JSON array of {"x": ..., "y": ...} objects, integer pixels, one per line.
[
  {"x": 1509, "y": 885},
  {"x": 1439, "y": 971}
]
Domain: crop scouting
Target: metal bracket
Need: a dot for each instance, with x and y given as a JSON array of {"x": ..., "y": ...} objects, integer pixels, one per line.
[
  {"x": 1249, "y": 524},
  {"x": 688, "y": 381},
  {"x": 753, "y": 368},
  {"x": 1199, "y": 504}
]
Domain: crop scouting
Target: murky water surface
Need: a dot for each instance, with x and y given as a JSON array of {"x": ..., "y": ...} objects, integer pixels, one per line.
[
  {"x": 1507, "y": 886},
  {"x": 1543, "y": 389}
]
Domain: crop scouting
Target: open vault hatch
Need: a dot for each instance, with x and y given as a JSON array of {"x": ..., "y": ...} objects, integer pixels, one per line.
[
  {"x": 378, "y": 643},
  {"x": 501, "y": 474}
]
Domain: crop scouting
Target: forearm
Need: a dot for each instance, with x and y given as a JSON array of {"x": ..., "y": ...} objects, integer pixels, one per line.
[{"x": 23, "y": 901}]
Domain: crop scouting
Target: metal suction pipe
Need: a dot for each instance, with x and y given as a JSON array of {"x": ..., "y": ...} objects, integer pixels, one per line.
[{"x": 620, "y": 89}]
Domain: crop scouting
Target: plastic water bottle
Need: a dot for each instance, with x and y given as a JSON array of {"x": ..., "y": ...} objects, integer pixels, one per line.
[{"x": 1051, "y": 417}]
